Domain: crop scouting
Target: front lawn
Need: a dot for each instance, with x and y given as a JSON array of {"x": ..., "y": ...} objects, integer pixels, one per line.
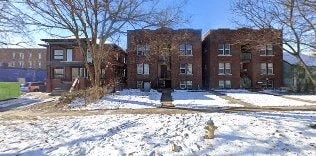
[{"x": 9, "y": 90}]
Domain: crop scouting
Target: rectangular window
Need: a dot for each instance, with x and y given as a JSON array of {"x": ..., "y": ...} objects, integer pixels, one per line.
[
  {"x": 30, "y": 64},
  {"x": 39, "y": 64},
  {"x": 13, "y": 55},
  {"x": 143, "y": 69},
  {"x": 143, "y": 49},
  {"x": 270, "y": 69},
  {"x": 30, "y": 56},
  {"x": 228, "y": 84},
  {"x": 182, "y": 49},
  {"x": 266, "y": 50},
  {"x": 58, "y": 54},
  {"x": 69, "y": 55},
  {"x": 21, "y": 64},
  {"x": 139, "y": 84},
  {"x": 224, "y": 49},
  {"x": 228, "y": 69},
  {"x": 221, "y": 84},
  {"x": 21, "y": 55},
  {"x": 39, "y": 56},
  {"x": 186, "y": 69},
  {"x": 227, "y": 49},
  {"x": 186, "y": 49},
  {"x": 221, "y": 69},
  {"x": 58, "y": 73},
  {"x": 263, "y": 67},
  {"x": 224, "y": 69},
  {"x": 224, "y": 84},
  {"x": 269, "y": 84},
  {"x": 185, "y": 84}
]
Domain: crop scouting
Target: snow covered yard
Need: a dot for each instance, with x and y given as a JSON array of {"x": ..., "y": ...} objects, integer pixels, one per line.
[
  {"x": 261, "y": 99},
  {"x": 243, "y": 133},
  {"x": 199, "y": 99},
  {"x": 128, "y": 98}
]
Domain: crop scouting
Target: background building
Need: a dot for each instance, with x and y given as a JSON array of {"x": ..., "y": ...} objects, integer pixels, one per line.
[
  {"x": 164, "y": 58},
  {"x": 24, "y": 64},
  {"x": 65, "y": 64},
  {"x": 243, "y": 58}
]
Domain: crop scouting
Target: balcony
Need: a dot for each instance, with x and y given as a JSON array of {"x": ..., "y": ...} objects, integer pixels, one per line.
[{"x": 245, "y": 57}]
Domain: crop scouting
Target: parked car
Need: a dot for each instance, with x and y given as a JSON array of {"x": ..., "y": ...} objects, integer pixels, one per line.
[{"x": 32, "y": 87}]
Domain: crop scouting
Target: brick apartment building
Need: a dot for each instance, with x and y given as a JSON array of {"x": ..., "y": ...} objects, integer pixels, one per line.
[
  {"x": 65, "y": 64},
  {"x": 242, "y": 58},
  {"x": 32, "y": 58},
  {"x": 164, "y": 58}
]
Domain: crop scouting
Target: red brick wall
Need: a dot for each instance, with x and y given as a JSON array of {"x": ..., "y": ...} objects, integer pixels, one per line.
[
  {"x": 173, "y": 38},
  {"x": 6, "y": 57},
  {"x": 237, "y": 38}
]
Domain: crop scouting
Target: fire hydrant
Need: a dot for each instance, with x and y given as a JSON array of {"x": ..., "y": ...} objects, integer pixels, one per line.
[{"x": 210, "y": 129}]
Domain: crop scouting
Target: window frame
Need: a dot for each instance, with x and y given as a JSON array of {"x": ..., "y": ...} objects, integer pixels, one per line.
[
  {"x": 141, "y": 69},
  {"x": 142, "y": 49},
  {"x": 223, "y": 70},
  {"x": 266, "y": 50},
  {"x": 59, "y": 76},
  {"x": 270, "y": 68},
  {"x": 223, "y": 49},
  {"x": 59, "y": 56},
  {"x": 221, "y": 84},
  {"x": 185, "y": 83},
  {"x": 187, "y": 68},
  {"x": 186, "y": 49}
]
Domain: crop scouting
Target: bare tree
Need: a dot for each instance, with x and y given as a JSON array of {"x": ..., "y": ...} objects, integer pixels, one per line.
[
  {"x": 92, "y": 22},
  {"x": 12, "y": 25},
  {"x": 295, "y": 18}
]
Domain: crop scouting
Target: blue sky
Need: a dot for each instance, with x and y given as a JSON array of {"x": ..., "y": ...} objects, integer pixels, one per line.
[
  {"x": 209, "y": 14},
  {"x": 203, "y": 14}
]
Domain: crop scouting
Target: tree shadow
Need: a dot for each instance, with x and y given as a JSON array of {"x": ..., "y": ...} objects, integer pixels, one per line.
[{"x": 16, "y": 103}]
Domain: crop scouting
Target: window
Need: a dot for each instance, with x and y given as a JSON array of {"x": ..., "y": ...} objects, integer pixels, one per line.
[
  {"x": 30, "y": 56},
  {"x": 270, "y": 68},
  {"x": 186, "y": 49},
  {"x": 58, "y": 73},
  {"x": 224, "y": 69},
  {"x": 185, "y": 84},
  {"x": 224, "y": 84},
  {"x": 266, "y": 68},
  {"x": 224, "y": 49},
  {"x": 21, "y": 64},
  {"x": 269, "y": 84},
  {"x": 58, "y": 54},
  {"x": 39, "y": 64},
  {"x": 266, "y": 50},
  {"x": 228, "y": 84},
  {"x": 139, "y": 84},
  {"x": 69, "y": 55},
  {"x": 89, "y": 57},
  {"x": 13, "y": 55},
  {"x": 143, "y": 69},
  {"x": 186, "y": 69},
  {"x": 30, "y": 64},
  {"x": 143, "y": 49},
  {"x": 221, "y": 84},
  {"x": 21, "y": 55},
  {"x": 39, "y": 56}
]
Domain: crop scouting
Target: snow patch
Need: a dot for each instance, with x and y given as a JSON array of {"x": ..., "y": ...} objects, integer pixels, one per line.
[{"x": 129, "y": 98}]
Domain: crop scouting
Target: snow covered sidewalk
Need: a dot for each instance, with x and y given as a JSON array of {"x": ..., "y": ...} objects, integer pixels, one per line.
[
  {"x": 128, "y": 98},
  {"x": 199, "y": 100},
  {"x": 311, "y": 98},
  {"x": 237, "y": 134},
  {"x": 261, "y": 99}
]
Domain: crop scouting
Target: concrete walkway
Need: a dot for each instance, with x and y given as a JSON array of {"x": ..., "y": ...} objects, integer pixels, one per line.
[{"x": 166, "y": 98}]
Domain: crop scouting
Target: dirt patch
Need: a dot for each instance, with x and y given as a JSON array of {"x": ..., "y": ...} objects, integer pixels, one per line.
[{"x": 232, "y": 100}]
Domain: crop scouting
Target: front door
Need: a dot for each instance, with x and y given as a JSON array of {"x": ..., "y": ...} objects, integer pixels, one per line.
[{"x": 163, "y": 71}]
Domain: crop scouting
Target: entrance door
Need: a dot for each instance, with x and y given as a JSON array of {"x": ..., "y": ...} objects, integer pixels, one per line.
[{"x": 163, "y": 71}]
